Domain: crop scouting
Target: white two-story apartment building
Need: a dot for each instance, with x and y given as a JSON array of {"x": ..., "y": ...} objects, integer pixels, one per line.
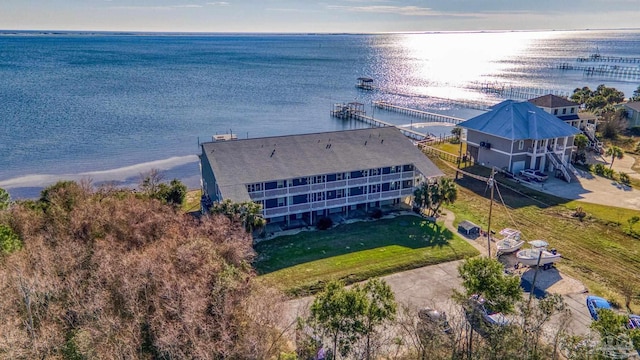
[{"x": 305, "y": 177}]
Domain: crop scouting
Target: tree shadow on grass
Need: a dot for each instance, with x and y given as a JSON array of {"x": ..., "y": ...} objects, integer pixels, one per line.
[{"x": 407, "y": 231}]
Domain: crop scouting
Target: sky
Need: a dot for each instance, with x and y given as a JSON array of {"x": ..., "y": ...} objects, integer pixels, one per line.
[{"x": 334, "y": 16}]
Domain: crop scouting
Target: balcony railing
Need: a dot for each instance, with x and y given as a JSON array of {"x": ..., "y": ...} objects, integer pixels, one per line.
[
  {"x": 390, "y": 177},
  {"x": 275, "y": 211},
  {"x": 299, "y": 208},
  {"x": 275, "y": 192},
  {"x": 302, "y": 189},
  {"x": 336, "y": 202},
  {"x": 372, "y": 197},
  {"x": 336, "y": 184},
  {"x": 358, "y": 181}
]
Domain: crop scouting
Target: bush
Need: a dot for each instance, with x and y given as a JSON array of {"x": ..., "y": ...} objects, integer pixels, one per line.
[
  {"x": 9, "y": 241},
  {"x": 579, "y": 213},
  {"x": 624, "y": 178},
  {"x": 324, "y": 223},
  {"x": 376, "y": 214}
]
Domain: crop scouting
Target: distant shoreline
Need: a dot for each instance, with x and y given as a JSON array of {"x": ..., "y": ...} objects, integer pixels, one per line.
[{"x": 5, "y": 32}]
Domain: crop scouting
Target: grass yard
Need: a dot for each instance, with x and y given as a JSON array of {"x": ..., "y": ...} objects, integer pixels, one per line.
[
  {"x": 596, "y": 251},
  {"x": 192, "y": 201},
  {"x": 301, "y": 264}
]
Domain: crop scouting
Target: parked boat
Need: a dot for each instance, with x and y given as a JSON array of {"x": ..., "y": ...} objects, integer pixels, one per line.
[
  {"x": 511, "y": 242},
  {"x": 538, "y": 249}
]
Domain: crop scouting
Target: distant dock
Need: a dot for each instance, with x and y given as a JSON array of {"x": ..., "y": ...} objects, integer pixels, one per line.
[
  {"x": 627, "y": 72},
  {"x": 609, "y": 59},
  {"x": 355, "y": 110},
  {"x": 417, "y": 113}
]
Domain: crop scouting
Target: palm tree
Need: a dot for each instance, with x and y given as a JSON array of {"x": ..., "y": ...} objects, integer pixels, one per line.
[
  {"x": 422, "y": 196},
  {"x": 447, "y": 193},
  {"x": 581, "y": 141},
  {"x": 248, "y": 213},
  {"x": 615, "y": 153}
]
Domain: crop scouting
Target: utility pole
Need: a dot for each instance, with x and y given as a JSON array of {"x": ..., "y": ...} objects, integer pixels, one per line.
[{"x": 491, "y": 185}]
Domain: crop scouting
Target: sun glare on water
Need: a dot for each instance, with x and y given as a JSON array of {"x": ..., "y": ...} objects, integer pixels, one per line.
[{"x": 445, "y": 64}]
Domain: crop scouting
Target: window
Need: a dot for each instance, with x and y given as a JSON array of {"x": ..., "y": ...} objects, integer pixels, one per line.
[
  {"x": 282, "y": 184},
  {"x": 254, "y": 187},
  {"x": 555, "y": 112},
  {"x": 319, "y": 196},
  {"x": 564, "y": 111},
  {"x": 374, "y": 189},
  {"x": 373, "y": 172},
  {"x": 282, "y": 202},
  {"x": 573, "y": 110},
  {"x": 386, "y": 170},
  {"x": 520, "y": 144},
  {"x": 339, "y": 176}
]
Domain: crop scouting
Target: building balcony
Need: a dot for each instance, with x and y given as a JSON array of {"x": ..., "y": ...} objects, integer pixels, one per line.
[
  {"x": 391, "y": 177},
  {"x": 301, "y": 189},
  {"x": 358, "y": 181},
  {"x": 336, "y": 184},
  {"x": 407, "y": 175},
  {"x": 336, "y": 202},
  {"x": 299, "y": 208},
  {"x": 283, "y": 210}
]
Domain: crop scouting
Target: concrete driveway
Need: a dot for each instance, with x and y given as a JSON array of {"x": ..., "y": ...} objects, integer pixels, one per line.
[{"x": 591, "y": 189}]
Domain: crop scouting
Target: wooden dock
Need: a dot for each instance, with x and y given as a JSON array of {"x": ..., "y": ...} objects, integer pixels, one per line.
[
  {"x": 627, "y": 72},
  {"x": 418, "y": 113},
  {"x": 356, "y": 111},
  {"x": 609, "y": 59}
]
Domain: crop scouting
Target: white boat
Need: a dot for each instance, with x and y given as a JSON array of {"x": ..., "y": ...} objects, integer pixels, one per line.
[
  {"x": 510, "y": 242},
  {"x": 538, "y": 249}
]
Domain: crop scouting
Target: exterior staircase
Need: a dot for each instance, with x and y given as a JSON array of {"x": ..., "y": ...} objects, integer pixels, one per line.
[{"x": 568, "y": 171}]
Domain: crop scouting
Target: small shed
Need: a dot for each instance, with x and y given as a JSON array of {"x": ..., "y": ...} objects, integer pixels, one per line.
[{"x": 469, "y": 229}]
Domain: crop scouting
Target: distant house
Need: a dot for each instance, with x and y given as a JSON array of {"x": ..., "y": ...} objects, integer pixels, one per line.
[
  {"x": 633, "y": 113},
  {"x": 565, "y": 110},
  {"x": 519, "y": 135},
  {"x": 299, "y": 178}
]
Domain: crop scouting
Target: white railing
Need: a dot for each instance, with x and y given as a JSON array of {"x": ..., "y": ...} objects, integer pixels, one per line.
[
  {"x": 317, "y": 186},
  {"x": 358, "y": 181},
  {"x": 336, "y": 184},
  {"x": 275, "y": 192},
  {"x": 299, "y": 207},
  {"x": 375, "y": 196},
  {"x": 407, "y": 175},
  {"x": 276, "y": 211},
  {"x": 299, "y": 189},
  {"x": 389, "y": 177},
  {"x": 408, "y": 191},
  {"x": 335, "y": 202},
  {"x": 357, "y": 198}
]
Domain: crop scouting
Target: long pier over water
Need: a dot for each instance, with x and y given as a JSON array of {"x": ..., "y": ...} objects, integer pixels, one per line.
[
  {"x": 417, "y": 113},
  {"x": 354, "y": 110}
]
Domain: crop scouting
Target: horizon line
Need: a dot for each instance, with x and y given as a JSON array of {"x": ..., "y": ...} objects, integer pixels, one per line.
[{"x": 153, "y": 32}]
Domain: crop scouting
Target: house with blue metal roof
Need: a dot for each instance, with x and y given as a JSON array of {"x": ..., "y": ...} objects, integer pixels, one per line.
[{"x": 516, "y": 135}]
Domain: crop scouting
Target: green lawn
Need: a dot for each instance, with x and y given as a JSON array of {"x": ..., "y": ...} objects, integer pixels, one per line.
[{"x": 300, "y": 264}]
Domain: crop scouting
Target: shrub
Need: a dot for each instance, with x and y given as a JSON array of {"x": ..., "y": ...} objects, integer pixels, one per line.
[
  {"x": 9, "y": 241},
  {"x": 376, "y": 214},
  {"x": 624, "y": 178},
  {"x": 324, "y": 223},
  {"x": 579, "y": 213},
  {"x": 599, "y": 169}
]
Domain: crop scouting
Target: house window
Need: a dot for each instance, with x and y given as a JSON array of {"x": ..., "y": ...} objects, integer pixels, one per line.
[
  {"x": 555, "y": 112},
  {"x": 573, "y": 110},
  {"x": 520, "y": 144},
  {"x": 564, "y": 111},
  {"x": 254, "y": 187}
]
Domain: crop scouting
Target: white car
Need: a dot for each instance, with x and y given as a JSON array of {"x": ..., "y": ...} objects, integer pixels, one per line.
[{"x": 534, "y": 175}]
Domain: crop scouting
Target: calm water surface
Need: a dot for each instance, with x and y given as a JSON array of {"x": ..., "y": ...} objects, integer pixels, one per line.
[{"x": 111, "y": 106}]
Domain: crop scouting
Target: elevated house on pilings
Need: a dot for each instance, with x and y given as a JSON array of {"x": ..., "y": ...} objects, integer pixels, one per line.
[
  {"x": 519, "y": 135},
  {"x": 300, "y": 178},
  {"x": 568, "y": 111}
]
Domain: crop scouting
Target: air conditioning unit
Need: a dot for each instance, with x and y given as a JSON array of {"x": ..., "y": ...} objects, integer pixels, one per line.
[
  {"x": 482, "y": 144},
  {"x": 487, "y": 145}
]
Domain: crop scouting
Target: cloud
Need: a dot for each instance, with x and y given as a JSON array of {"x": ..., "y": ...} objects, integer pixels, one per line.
[
  {"x": 397, "y": 10},
  {"x": 219, "y": 3},
  {"x": 166, "y": 7}
]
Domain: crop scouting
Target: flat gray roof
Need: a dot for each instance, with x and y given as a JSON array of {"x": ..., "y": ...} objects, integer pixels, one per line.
[{"x": 236, "y": 163}]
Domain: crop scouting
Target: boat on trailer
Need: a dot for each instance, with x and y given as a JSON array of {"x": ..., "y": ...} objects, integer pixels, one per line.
[
  {"x": 538, "y": 251},
  {"x": 510, "y": 242}
]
